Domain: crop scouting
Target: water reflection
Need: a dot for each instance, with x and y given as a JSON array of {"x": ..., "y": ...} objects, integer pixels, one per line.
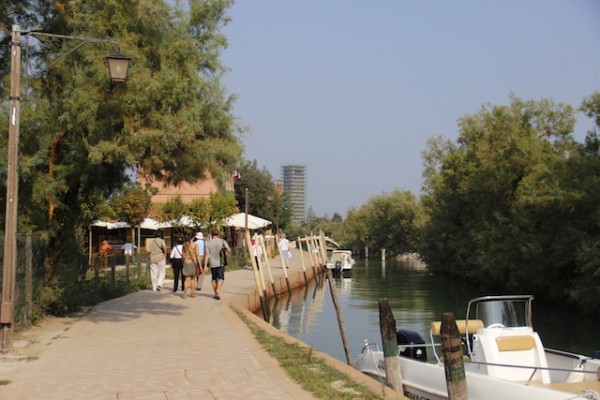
[{"x": 416, "y": 297}]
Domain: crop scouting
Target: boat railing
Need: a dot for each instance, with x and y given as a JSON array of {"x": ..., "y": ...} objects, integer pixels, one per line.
[
  {"x": 532, "y": 367},
  {"x": 535, "y": 368}
]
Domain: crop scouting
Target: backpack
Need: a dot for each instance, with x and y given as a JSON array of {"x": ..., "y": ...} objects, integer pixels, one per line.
[{"x": 223, "y": 256}]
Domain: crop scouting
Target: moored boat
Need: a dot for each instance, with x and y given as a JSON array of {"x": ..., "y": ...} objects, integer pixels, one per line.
[
  {"x": 341, "y": 261},
  {"x": 504, "y": 358}
]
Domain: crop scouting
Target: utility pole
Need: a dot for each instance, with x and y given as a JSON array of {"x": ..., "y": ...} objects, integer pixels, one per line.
[{"x": 12, "y": 192}]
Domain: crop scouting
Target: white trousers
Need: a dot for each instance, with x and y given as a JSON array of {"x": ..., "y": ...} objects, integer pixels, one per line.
[
  {"x": 157, "y": 273},
  {"x": 200, "y": 279}
]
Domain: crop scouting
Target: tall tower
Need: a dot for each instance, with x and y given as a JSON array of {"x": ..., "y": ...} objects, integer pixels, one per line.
[{"x": 294, "y": 186}]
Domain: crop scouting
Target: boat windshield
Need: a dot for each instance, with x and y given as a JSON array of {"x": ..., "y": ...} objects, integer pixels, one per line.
[{"x": 508, "y": 312}]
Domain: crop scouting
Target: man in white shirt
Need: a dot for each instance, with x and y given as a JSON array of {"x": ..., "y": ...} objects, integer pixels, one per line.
[{"x": 201, "y": 245}]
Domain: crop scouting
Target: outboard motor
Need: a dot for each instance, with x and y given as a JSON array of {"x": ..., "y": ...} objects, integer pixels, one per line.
[
  {"x": 405, "y": 337},
  {"x": 338, "y": 265}
]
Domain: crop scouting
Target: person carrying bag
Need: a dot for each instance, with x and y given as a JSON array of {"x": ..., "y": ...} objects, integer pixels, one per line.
[{"x": 191, "y": 264}]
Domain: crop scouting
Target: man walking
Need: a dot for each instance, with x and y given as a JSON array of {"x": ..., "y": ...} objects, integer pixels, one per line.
[
  {"x": 214, "y": 247},
  {"x": 201, "y": 244},
  {"x": 158, "y": 260}
]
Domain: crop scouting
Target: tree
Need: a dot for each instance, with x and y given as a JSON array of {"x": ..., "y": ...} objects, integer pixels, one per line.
[
  {"x": 80, "y": 134},
  {"x": 173, "y": 210},
  {"x": 133, "y": 205},
  {"x": 222, "y": 206},
  {"x": 263, "y": 196},
  {"x": 497, "y": 210},
  {"x": 584, "y": 179},
  {"x": 387, "y": 221}
]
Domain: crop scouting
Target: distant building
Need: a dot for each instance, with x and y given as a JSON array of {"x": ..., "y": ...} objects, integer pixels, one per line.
[{"x": 294, "y": 186}]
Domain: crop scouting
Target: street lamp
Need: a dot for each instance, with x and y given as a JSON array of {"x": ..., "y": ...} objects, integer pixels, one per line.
[{"x": 117, "y": 65}]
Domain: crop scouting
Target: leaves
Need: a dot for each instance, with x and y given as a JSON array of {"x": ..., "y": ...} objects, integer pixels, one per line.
[{"x": 82, "y": 135}]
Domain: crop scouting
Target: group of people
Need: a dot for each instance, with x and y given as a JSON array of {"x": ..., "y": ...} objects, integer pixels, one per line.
[{"x": 191, "y": 258}]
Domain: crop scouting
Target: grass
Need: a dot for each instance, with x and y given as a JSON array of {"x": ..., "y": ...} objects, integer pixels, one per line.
[
  {"x": 310, "y": 372},
  {"x": 4, "y": 382}
]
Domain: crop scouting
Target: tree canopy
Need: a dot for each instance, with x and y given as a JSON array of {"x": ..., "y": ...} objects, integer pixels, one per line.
[
  {"x": 80, "y": 134},
  {"x": 264, "y": 199},
  {"x": 511, "y": 204}
]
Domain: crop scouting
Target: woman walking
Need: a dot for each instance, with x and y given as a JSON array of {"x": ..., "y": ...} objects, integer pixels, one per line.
[
  {"x": 177, "y": 264},
  {"x": 190, "y": 262}
]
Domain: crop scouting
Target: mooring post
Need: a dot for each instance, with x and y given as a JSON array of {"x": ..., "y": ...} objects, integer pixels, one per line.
[
  {"x": 387, "y": 325},
  {"x": 261, "y": 239},
  {"x": 284, "y": 266},
  {"x": 127, "y": 264},
  {"x": 453, "y": 359},
  {"x": 259, "y": 287},
  {"x": 338, "y": 313},
  {"x": 302, "y": 259}
]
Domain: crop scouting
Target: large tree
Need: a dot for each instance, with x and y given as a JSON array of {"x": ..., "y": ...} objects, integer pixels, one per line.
[
  {"x": 172, "y": 120},
  {"x": 264, "y": 199},
  {"x": 506, "y": 203}
]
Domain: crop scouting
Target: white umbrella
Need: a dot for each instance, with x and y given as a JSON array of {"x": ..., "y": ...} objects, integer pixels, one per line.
[
  {"x": 111, "y": 225},
  {"x": 149, "y": 223},
  {"x": 254, "y": 222}
]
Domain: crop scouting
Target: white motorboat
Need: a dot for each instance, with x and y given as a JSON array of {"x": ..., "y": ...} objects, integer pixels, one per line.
[
  {"x": 341, "y": 261},
  {"x": 504, "y": 358}
]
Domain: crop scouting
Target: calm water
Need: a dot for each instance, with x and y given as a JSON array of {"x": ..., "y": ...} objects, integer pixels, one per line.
[{"x": 417, "y": 298}]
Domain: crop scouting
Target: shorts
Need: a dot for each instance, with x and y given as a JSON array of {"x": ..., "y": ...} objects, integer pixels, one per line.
[{"x": 218, "y": 274}]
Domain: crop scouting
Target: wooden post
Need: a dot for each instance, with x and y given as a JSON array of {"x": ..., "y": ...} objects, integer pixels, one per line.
[
  {"x": 97, "y": 263},
  {"x": 302, "y": 259},
  {"x": 259, "y": 287},
  {"x": 284, "y": 266},
  {"x": 268, "y": 266},
  {"x": 338, "y": 313},
  {"x": 28, "y": 279},
  {"x": 258, "y": 264},
  {"x": 387, "y": 325},
  {"x": 323, "y": 248},
  {"x": 316, "y": 251},
  {"x": 113, "y": 265},
  {"x": 310, "y": 250},
  {"x": 453, "y": 359},
  {"x": 266, "y": 258},
  {"x": 127, "y": 256}
]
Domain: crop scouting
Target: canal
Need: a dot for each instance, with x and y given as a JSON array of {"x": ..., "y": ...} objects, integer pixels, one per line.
[{"x": 417, "y": 298}]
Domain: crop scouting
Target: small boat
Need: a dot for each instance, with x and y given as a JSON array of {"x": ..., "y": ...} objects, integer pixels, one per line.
[
  {"x": 504, "y": 358},
  {"x": 341, "y": 261}
]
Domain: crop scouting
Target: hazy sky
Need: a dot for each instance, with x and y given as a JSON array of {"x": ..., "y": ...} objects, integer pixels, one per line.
[{"x": 354, "y": 89}]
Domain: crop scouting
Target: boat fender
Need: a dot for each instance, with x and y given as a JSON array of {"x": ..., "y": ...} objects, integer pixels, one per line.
[{"x": 405, "y": 337}]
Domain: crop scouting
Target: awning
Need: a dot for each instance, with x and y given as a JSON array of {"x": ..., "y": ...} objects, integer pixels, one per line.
[{"x": 254, "y": 222}]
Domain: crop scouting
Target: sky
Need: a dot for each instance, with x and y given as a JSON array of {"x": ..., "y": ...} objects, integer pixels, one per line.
[{"x": 354, "y": 89}]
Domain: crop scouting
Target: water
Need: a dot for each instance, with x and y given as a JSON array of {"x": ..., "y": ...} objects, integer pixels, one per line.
[{"x": 417, "y": 298}]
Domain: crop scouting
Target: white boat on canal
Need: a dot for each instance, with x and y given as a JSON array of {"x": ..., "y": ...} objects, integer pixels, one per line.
[
  {"x": 504, "y": 358},
  {"x": 341, "y": 261}
]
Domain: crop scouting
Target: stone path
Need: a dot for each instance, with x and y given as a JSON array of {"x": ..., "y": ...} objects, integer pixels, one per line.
[{"x": 150, "y": 346}]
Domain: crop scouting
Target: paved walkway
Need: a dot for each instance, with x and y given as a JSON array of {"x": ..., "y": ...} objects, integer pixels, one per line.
[{"x": 158, "y": 346}]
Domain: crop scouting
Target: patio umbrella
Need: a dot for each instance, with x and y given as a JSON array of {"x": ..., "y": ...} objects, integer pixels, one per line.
[{"x": 254, "y": 222}]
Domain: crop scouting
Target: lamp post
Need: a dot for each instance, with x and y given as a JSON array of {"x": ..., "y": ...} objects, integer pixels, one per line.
[{"x": 117, "y": 65}]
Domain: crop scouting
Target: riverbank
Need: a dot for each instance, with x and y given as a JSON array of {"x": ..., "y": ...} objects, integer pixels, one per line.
[{"x": 158, "y": 345}]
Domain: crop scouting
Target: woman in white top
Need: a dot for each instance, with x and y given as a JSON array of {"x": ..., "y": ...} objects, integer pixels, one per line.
[{"x": 177, "y": 263}]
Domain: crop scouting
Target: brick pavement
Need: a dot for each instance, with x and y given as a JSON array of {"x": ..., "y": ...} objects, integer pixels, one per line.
[{"x": 151, "y": 345}]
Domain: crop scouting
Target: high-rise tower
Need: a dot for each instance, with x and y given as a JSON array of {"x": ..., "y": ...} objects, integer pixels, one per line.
[{"x": 294, "y": 186}]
